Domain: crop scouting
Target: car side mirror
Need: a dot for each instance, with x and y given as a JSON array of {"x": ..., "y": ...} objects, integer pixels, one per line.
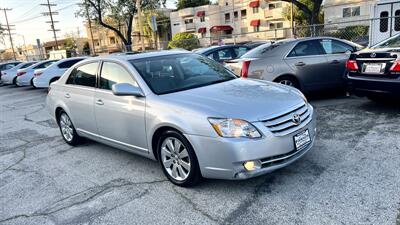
[{"x": 125, "y": 89}]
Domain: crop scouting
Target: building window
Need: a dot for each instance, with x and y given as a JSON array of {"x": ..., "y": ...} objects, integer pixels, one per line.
[
  {"x": 236, "y": 15},
  {"x": 397, "y": 20},
  {"x": 176, "y": 24},
  {"x": 271, "y": 26},
  {"x": 279, "y": 25},
  {"x": 227, "y": 17},
  {"x": 351, "y": 11},
  {"x": 384, "y": 22},
  {"x": 274, "y": 5},
  {"x": 202, "y": 19},
  {"x": 112, "y": 40},
  {"x": 243, "y": 13},
  {"x": 203, "y": 35},
  {"x": 188, "y": 21},
  {"x": 96, "y": 42},
  {"x": 255, "y": 10},
  {"x": 226, "y": 3},
  {"x": 256, "y": 28}
]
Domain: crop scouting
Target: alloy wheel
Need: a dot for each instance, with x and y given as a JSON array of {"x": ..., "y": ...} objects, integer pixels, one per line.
[
  {"x": 175, "y": 158},
  {"x": 66, "y": 127},
  {"x": 287, "y": 82}
]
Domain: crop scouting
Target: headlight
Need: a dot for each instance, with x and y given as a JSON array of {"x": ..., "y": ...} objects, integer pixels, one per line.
[{"x": 234, "y": 128}]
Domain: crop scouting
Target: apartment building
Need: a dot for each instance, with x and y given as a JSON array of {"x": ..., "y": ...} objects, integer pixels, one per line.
[
  {"x": 347, "y": 12},
  {"x": 234, "y": 21}
]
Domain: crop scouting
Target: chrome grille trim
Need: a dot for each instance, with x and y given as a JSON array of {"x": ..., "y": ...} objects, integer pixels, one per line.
[{"x": 282, "y": 124}]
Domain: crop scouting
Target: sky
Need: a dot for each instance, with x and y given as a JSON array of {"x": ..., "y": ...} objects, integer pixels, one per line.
[{"x": 31, "y": 24}]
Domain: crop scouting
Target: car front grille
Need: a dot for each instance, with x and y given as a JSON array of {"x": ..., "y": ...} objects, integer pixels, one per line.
[
  {"x": 284, "y": 124},
  {"x": 283, "y": 158}
]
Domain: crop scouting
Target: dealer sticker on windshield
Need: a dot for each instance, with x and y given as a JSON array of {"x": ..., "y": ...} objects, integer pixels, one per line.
[{"x": 302, "y": 139}]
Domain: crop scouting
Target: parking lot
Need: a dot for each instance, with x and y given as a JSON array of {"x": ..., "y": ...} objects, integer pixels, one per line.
[{"x": 351, "y": 176}]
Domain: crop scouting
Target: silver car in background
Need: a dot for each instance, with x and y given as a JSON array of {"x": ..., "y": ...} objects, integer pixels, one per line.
[
  {"x": 25, "y": 76},
  {"x": 309, "y": 64},
  {"x": 188, "y": 112}
]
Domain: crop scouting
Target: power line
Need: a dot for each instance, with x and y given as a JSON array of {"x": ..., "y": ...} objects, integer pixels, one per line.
[
  {"x": 9, "y": 31},
  {"x": 51, "y": 13}
]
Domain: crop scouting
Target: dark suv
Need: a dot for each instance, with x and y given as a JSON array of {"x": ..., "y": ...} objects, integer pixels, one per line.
[{"x": 375, "y": 72}]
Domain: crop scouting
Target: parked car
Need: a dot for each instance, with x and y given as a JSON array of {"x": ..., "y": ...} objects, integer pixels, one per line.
[
  {"x": 43, "y": 78},
  {"x": 223, "y": 53},
  {"x": 308, "y": 64},
  {"x": 10, "y": 76},
  {"x": 254, "y": 44},
  {"x": 25, "y": 76},
  {"x": 375, "y": 72},
  {"x": 7, "y": 66},
  {"x": 163, "y": 106}
]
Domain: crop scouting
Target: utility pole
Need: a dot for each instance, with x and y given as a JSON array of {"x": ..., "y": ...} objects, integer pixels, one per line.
[
  {"x": 292, "y": 19},
  {"x": 90, "y": 27},
  {"x": 139, "y": 11},
  {"x": 51, "y": 13},
  {"x": 9, "y": 31}
]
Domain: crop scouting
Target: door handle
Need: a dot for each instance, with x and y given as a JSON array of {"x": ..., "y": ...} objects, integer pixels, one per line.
[
  {"x": 99, "y": 102},
  {"x": 335, "y": 61},
  {"x": 300, "y": 64},
  {"x": 67, "y": 95}
]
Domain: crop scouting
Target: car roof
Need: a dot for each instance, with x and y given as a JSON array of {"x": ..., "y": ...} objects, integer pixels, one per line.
[
  {"x": 143, "y": 55},
  {"x": 217, "y": 47}
]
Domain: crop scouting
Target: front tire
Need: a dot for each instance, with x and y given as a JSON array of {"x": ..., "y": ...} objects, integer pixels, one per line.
[
  {"x": 177, "y": 159},
  {"x": 67, "y": 129},
  {"x": 289, "y": 81}
]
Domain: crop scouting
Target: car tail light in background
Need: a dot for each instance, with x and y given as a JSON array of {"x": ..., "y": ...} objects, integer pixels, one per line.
[
  {"x": 351, "y": 65},
  {"x": 245, "y": 69},
  {"x": 21, "y": 73},
  {"x": 37, "y": 74},
  {"x": 395, "y": 67}
]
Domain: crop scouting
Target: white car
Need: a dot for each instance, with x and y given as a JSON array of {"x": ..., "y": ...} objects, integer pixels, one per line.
[
  {"x": 52, "y": 73},
  {"x": 25, "y": 76},
  {"x": 10, "y": 76}
]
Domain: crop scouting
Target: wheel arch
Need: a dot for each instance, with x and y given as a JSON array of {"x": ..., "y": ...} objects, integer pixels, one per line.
[
  {"x": 291, "y": 76},
  {"x": 156, "y": 137}
]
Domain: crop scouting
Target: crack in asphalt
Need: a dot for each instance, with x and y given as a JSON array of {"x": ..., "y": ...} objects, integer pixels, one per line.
[
  {"x": 194, "y": 206},
  {"x": 85, "y": 196}
]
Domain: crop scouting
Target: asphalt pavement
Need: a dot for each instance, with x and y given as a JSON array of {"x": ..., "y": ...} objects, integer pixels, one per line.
[{"x": 351, "y": 176}]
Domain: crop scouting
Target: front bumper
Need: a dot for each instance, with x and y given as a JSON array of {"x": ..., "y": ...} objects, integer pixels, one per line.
[
  {"x": 369, "y": 85},
  {"x": 223, "y": 158}
]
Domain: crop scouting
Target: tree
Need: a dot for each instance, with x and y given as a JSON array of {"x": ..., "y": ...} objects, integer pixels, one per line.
[
  {"x": 70, "y": 44},
  {"x": 184, "y": 40},
  {"x": 163, "y": 24},
  {"x": 116, "y": 15},
  {"x": 310, "y": 11},
  {"x": 181, "y": 4}
]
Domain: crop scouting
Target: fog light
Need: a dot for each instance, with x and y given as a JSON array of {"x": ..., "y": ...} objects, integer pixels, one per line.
[{"x": 252, "y": 165}]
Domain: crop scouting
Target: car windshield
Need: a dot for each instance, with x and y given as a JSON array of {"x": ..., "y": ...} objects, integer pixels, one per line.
[
  {"x": 261, "y": 50},
  {"x": 173, "y": 73},
  {"x": 390, "y": 43}
]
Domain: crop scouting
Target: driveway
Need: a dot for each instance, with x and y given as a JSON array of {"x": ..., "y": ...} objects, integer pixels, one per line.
[{"x": 351, "y": 176}]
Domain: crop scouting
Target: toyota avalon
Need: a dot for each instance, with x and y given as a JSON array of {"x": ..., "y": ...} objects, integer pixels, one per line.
[{"x": 186, "y": 111}]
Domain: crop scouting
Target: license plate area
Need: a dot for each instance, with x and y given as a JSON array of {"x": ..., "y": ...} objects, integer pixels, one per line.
[
  {"x": 302, "y": 139},
  {"x": 374, "y": 68}
]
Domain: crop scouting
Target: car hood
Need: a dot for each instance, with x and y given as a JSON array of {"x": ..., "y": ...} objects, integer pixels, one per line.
[{"x": 251, "y": 100}]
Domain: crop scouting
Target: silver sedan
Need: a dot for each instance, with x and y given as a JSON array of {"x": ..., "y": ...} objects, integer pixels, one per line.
[{"x": 186, "y": 111}]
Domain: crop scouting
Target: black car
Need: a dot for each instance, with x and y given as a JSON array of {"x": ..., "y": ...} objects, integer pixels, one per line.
[
  {"x": 223, "y": 53},
  {"x": 375, "y": 72}
]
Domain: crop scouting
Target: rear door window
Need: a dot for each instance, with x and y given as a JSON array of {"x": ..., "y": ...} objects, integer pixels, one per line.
[
  {"x": 84, "y": 75},
  {"x": 306, "y": 48},
  {"x": 335, "y": 47}
]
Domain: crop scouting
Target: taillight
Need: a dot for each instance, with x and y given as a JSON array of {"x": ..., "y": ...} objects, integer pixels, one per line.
[
  {"x": 245, "y": 69},
  {"x": 38, "y": 74},
  {"x": 395, "y": 67},
  {"x": 21, "y": 73},
  {"x": 351, "y": 65}
]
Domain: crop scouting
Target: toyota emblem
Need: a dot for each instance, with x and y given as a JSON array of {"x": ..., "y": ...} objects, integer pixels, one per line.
[{"x": 296, "y": 119}]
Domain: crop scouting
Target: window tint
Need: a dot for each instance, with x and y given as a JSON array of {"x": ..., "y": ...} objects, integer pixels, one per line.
[
  {"x": 27, "y": 65},
  {"x": 306, "y": 48},
  {"x": 240, "y": 51},
  {"x": 335, "y": 47},
  {"x": 397, "y": 20},
  {"x": 44, "y": 65},
  {"x": 384, "y": 21},
  {"x": 68, "y": 64},
  {"x": 9, "y": 66},
  {"x": 112, "y": 73},
  {"x": 84, "y": 75}
]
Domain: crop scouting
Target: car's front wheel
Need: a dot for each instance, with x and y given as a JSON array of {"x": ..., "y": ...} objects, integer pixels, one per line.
[
  {"x": 67, "y": 129},
  {"x": 178, "y": 159},
  {"x": 289, "y": 81}
]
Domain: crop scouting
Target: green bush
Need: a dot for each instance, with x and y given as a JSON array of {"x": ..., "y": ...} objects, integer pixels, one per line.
[{"x": 184, "y": 40}]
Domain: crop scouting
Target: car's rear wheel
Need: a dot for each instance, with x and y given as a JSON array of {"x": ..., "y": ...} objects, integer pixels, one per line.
[
  {"x": 32, "y": 83},
  {"x": 15, "y": 81},
  {"x": 178, "y": 159},
  {"x": 67, "y": 129},
  {"x": 289, "y": 81}
]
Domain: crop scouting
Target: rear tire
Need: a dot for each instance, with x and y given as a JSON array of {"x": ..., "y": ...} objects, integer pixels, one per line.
[
  {"x": 15, "y": 81},
  {"x": 32, "y": 84},
  {"x": 177, "y": 159},
  {"x": 67, "y": 129},
  {"x": 288, "y": 80}
]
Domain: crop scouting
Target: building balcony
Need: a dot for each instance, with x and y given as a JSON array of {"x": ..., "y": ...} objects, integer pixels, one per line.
[
  {"x": 275, "y": 14},
  {"x": 190, "y": 27},
  {"x": 186, "y": 12}
]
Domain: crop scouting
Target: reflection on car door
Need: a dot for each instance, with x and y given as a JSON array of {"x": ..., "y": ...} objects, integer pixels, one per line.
[
  {"x": 119, "y": 118},
  {"x": 308, "y": 62},
  {"x": 79, "y": 96},
  {"x": 337, "y": 53}
]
